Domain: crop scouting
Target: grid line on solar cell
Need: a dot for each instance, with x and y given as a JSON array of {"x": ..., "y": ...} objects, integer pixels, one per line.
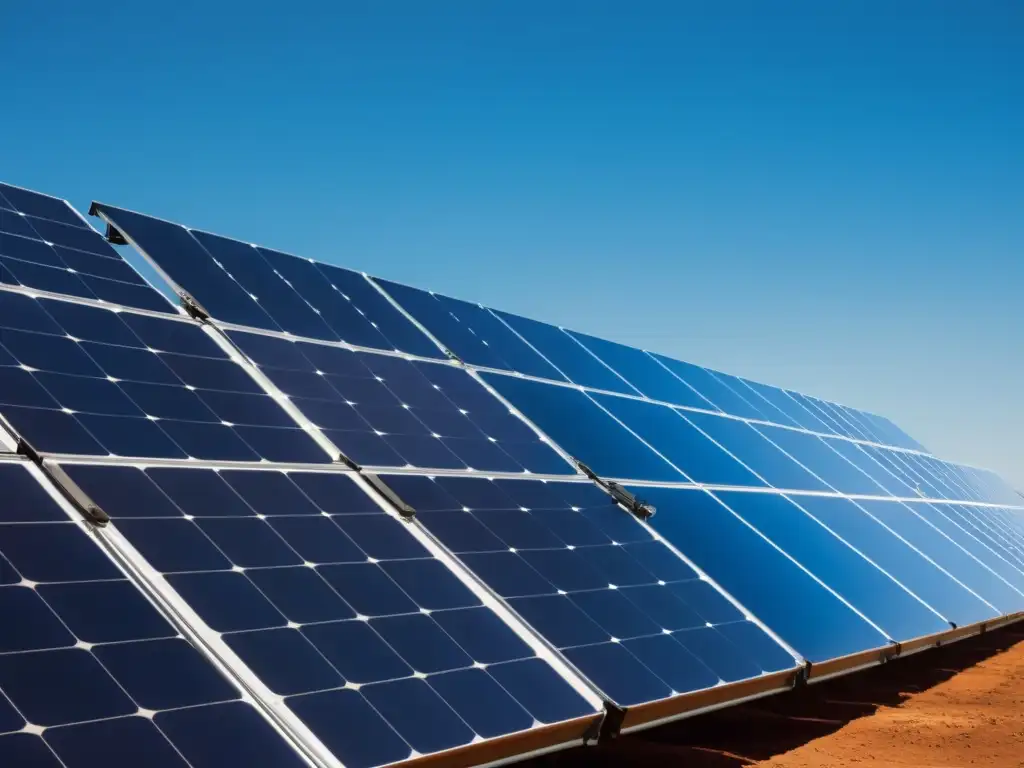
[
  {"x": 332, "y": 603},
  {"x": 629, "y": 613},
  {"x": 78, "y": 379},
  {"x": 45, "y": 245},
  {"x": 91, "y": 671},
  {"x": 385, "y": 410}
]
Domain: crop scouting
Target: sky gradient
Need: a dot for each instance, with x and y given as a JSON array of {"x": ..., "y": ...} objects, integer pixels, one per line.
[{"x": 828, "y": 199}]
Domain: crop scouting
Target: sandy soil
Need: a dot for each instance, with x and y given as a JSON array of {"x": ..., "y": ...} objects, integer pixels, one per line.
[{"x": 962, "y": 705}]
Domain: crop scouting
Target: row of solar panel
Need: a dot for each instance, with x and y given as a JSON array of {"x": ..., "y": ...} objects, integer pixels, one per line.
[
  {"x": 78, "y": 379},
  {"x": 260, "y": 288},
  {"x": 339, "y": 608}
]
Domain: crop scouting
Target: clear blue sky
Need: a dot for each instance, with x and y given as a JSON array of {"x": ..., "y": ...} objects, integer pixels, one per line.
[{"x": 826, "y": 196}]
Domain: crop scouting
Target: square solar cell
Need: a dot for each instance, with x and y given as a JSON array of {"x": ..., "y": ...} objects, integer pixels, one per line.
[
  {"x": 331, "y": 602},
  {"x": 546, "y": 548},
  {"x": 90, "y": 664},
  {"x": 390, "y": 411},
  {"x": 45, "y": 244},
  {"x": 85, "y": 380}
]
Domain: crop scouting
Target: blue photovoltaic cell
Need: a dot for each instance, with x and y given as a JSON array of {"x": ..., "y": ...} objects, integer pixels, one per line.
[
  {"x": 771, "y": 401},
  {"x": 837, "y": 564},
  {"x": 44, "y": 244},
  {"x": 567, "y": 355},
  {"x": 810, "y": 618},
  {"x": 620, "y": 605},
  {"x": 898, "y": 558},
  {"x": 240, "y": 283},
  {"x": 828, "y": 465},
  {"x": 913, "y": 527},
  {"x": 713, "y": 388},
  {"x": 84, "y": 380},
  {"x": 389, "y": 411},
  {"x": 570, "y": 418},
  {"x": 665, "y": 430},
  {"x": 470, "y": 331},
  {"x": 644, "y": 373},
  {"x": 87, "y": 651},
  {"x": 336, "y": 607}
]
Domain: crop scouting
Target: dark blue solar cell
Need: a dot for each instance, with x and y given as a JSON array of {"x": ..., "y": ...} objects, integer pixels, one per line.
[
  {"x": 459, "y": 531},
  {"x": 421, "y": 716},
  {"x": 538, "y": 688},
  {"x": 706, "y": 601},
  {"x": 23, "y": 312},
  {"x": 754, "y": 642},
  {"x": 828, "y": 465},
  {"x": 300, "y": 594},
  {"x": 246, "y": 265},
  {"x": 575, "y": 423},
  {"x": 202, "y": 492},
  {"x": 45, "y": 278},
  {"x": 712, "y": 387},
  {"x": 565, "y": 569},
  {"x": 518, "y": 529},
  {"x": 213, "y": 442},
  {"x": 131, "y": 364},
  {"x": 616, "y": 565},
  {"x": 947, "y": 554},
  {"x": 37, "y": 204},
  {"x": 369, "y": 590},
  {"x": 90, "y": 265},
  {"x": 251, "y": 409},
  {"x": 269, "y": 493},
  {"x": 263, "y": 652},
  {"x": 181, "y": 256},
  {"x": 105, "y": 611},
  {"x": 357, "y": 651},
  {"x": 559, "y": 620},
  {"x": 811, "y": 619},
  {"x": 430, "y": 584},
  {"x": 127, "y": 294},
  {"x": 126, "y": 491},
  {"x": 210, "y": 373},
  {"x": 47, "y": 552},
  {"x": 618, "y": 673},
  {"x": 88, "y": 395},
  {"x": 7, "y": 573},
  {"x": 318, "y": 540},
  {"x": 618, "y": 616},
  {"x": 481, "y": 702},
  {"x": 249, "y": 542},
  {"x": 36, "y": 626},
  {"x": 52, "y": 431},
  {"x": 923, "y": 578},
  {"x": 164, "y": 674},
  {"x": 227, "y": 601},
  {"x": 863, "y": 461},
  {"x": 168, "y": 402},
  {"x": 508, "y": 574},
  {"x": 206, "y": 736},
  {"x": 24, "y": 499},
  {"x": 482, "y": 635},
  {"x": 380, "y": 536},
  {"x": 750, "y": 446},
  {"x": 567, "y": 355},
  {"x": 81, "y": 238},
  {"x": 130, "y": 436},
  {"x": 26, "y": 750},
  {"x": 658, "y": 602},
  {"x": 643, "y": 372},
  {"x": 717, "y": 653},
  {"x": 678, "y": 441},
  {"x": 278, "y": 444},
  {"x": 333, "y": 493},
  {"x": 862, "y": 584},
  {"x": 173, "y": 544},
  {"x": 672, "y": 663},
  {"x": 366, "y": 740},
  {"x": 49, "y": 353},
  {"x": 659, "y": 560},
  {"x": 14, "y": 224},
  {"x": 32, "y": 251},
  {"x": 63, "y": 686},
  {"x": 421, "y": 642},
  {"x": 771, "y": 401},
  {"x": 125, "y": 740}
]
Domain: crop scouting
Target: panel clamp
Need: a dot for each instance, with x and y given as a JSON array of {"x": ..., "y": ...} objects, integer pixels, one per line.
[
  {"x": 400, "y": 506},
  {"x": 608, "y": 727},
  {"x": 637, "y": 507},
  {"x": 192, "y": 307},
  {"x": 113, "y": 234},
  {"x": 891, "y": 651},
  {"x": 88, "y": 508}
]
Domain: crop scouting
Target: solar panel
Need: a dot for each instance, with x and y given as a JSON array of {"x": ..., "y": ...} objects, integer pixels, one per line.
[
  {"x": 380, "y": 649},
  {"x": 46, "y": 245},
  {"x": 354, "y": 497},
  {"x": 90, "y": 672},
  {"x": 86, "y": 380}
]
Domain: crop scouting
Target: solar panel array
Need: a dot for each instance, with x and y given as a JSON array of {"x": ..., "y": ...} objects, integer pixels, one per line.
[{"x": 317, "y": 518}]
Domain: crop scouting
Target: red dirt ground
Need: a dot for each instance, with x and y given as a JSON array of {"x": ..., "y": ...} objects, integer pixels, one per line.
[{"x": 958, "y": 706}]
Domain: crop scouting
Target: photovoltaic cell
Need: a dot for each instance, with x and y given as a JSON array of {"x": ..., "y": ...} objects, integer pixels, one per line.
[
  {"x": 85, "y": 380},
  {"x": 390, "y": 411},
  {"x": 45, "y": 245},
  {"x": 240, "y": 283},
  {"x": 629, "y": 613},
  {"x": 335, "y": 606},
  {"x": 90, "y": 672}
]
